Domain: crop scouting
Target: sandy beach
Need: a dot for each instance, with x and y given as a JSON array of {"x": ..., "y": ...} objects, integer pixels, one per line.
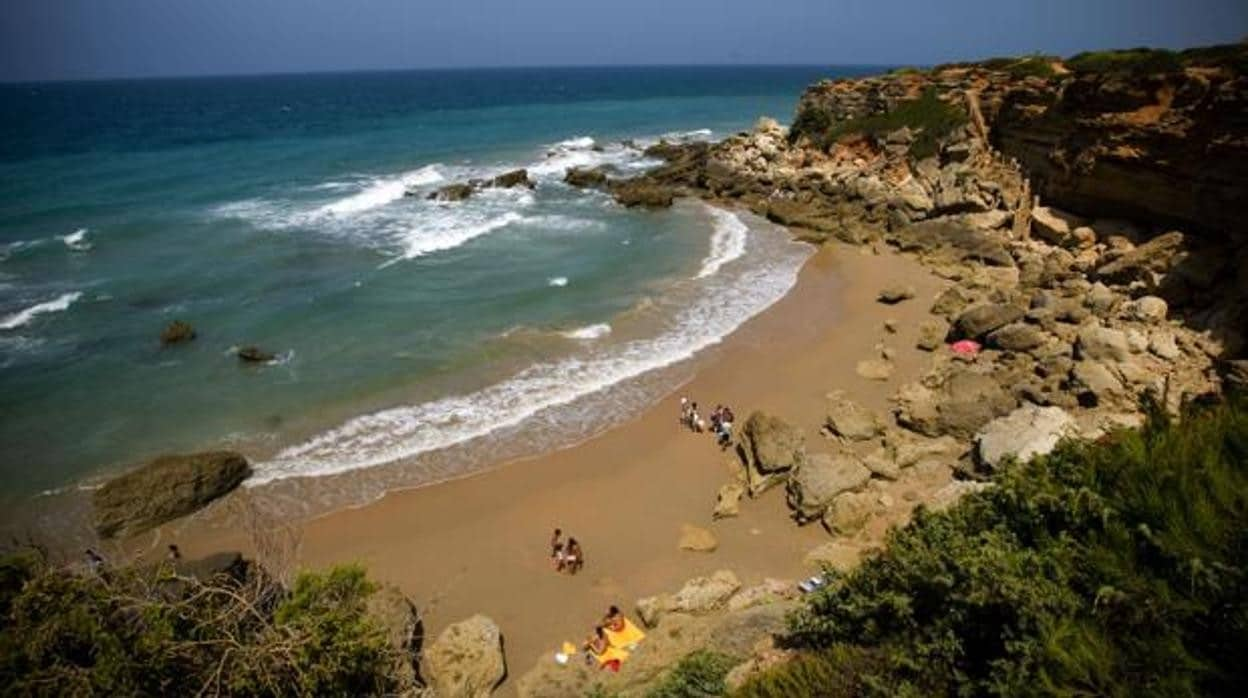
[{"x": 480, "y": 544}]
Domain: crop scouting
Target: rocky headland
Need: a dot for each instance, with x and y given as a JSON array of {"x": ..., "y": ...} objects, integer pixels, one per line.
[{"x": 1087, "y": 217}]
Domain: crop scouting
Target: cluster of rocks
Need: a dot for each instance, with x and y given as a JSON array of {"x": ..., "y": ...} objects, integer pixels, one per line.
[
  {"x": 1074, "y": 317},
  {"x": 715, "y": 610},
  {"x": 459, "y": 191}
]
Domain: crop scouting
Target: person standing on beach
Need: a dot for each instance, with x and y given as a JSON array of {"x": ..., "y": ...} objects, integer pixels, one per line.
[
  {"x": 573, "y": 556},
  {"x": 556, "y": 549},
  {"x": 684, "y": 410}
]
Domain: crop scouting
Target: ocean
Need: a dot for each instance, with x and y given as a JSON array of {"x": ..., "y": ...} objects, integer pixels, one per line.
[{"x": 414, "y": 340}]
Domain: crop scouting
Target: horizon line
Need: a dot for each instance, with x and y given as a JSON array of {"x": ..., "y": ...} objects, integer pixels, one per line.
[{"x": 439, "y": 69}]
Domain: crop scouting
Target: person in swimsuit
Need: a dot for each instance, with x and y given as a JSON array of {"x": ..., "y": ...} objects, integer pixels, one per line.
[
  {"x": 614, "y": 620},
  {"x": 573, "y": 557}
]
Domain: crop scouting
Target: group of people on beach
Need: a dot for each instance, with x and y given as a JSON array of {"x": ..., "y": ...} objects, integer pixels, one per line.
[
  {"x": 722, "y": 419},
  {"x": 614, "y": 638},
  {"x": 566, "y": 556}
]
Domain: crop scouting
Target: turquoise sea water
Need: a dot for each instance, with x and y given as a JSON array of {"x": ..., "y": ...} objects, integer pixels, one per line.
[{"x": 270, "y": 211}]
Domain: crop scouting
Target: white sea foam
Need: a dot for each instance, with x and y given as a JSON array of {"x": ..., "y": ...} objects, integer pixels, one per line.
[
  {"x": 715, "y": 308},
  {"x": 56, "y": 305},
  {"x": 77, "y": 240},
  {"x": 444, "y": 235},
  {"x": 595, "y": 331},
  {"x": 559, "y": 281},
  {"x": 727, "y": 241},
  {"x": 576, "y": 143},
  {"x": 382, "y": 191}
]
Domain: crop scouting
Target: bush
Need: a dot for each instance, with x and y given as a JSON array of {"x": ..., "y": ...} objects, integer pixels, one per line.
[
  {"x": 837, "y": 672},
  {"x": 931, "y": 117},
  {"x": 147, "y": 632},
  {"x": 1136, "y": 61},
  {"x": 698, "y": 675},
  {"x": 1117, "y": 568}
]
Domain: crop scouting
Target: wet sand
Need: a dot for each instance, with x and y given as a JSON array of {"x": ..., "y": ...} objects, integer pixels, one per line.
[{"x": 480, "y": 544}]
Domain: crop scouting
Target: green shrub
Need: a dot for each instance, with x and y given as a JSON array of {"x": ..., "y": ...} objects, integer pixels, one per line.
[
  {"x": 929, "y": 116},
  {"x": 837, "y": 672},
  {"x": 1116, "y": 568},
  {"x": 1136, "y": 61},
  {"x": 698, "y": 675},
  {"x": 136, "y": 631}
]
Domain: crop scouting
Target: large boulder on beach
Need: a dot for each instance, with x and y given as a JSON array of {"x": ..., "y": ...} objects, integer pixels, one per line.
[
  {"x": 1026, "y": 432},
  {"x": 770, "y": 447},
  {"x": 466, "y": 660},
  {"x": 395, "y": 614},
  {"x": 1156, "y": 256},
  {"x": 823, "y": 476},
  {"x": 979, "y": 320},
  {"x": 849, "y": 420},
  {"x": 697, "y": 539},
  {"x": 177, "y": 332},
  {"x": 959, "y": 405},
  {"x": 165, "y": 489}
]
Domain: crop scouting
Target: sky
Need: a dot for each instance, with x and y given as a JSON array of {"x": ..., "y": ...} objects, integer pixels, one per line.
[{"x": 89, "y": 39}]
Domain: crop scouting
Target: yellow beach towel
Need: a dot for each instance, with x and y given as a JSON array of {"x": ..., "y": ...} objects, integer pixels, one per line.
[{"x": 628, "y": 637}]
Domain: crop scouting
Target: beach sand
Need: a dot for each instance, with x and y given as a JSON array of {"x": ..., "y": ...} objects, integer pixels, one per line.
[{"x": 481, "y": 544}]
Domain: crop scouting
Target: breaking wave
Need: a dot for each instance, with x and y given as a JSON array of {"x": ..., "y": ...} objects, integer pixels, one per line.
[
  {"x": 727, "y": 242},
  {"x": 56, "y": 305}
]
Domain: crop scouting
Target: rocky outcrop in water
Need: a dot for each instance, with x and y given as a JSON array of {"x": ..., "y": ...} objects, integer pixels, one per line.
[
  {"x": 177, "y": 332},
  {"x": 167, "y": 488}
]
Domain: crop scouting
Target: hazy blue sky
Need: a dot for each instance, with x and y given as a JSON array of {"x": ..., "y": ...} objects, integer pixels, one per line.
[{"x": 41, "y": 39}]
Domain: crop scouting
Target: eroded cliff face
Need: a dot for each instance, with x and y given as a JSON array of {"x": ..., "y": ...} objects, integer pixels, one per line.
[{"x": 1167, "y": 148}]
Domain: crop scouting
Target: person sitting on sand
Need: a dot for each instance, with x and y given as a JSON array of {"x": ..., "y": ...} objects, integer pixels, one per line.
[
  {"x": 614, "y": 620},
  {"x": 596, "y": 644},
  {"x": 573, "y": 557}
]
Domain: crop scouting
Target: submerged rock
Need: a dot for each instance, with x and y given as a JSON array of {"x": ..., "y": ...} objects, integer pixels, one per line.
[
  {"x": 177, "y": 332},
  {"x": 165, "y": 489},
  {"x": 254, "y": 355},
  {"x": 466, "y": 659},
  {"x": 586, "y": 177},
  {"x": 514, "y": 178},
  {"x": 452, "y": 192}
]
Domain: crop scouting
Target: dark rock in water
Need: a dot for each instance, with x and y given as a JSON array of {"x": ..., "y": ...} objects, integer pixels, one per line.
[
  {"x": 515, "y": 178},
  {"x": 452, "y": 192},
  {"x": 177, "y": 332},
  {"x": 255, "y": 355},
  {"x": 165, "y": 489},
  {"x": 642, "y": 193},
  {"x": 585, "y": 177}
]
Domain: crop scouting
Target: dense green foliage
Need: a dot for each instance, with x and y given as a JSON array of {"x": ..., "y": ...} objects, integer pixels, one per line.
[
  {"x": 835, "y": 672},
  {"x": 1137, "y": 61},
  {"x": 929, "y": 116},
  {"x": 148, "y": 632},
  {"x": 1118, "y": 568},
  {"x": 698, "y": 675}
]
